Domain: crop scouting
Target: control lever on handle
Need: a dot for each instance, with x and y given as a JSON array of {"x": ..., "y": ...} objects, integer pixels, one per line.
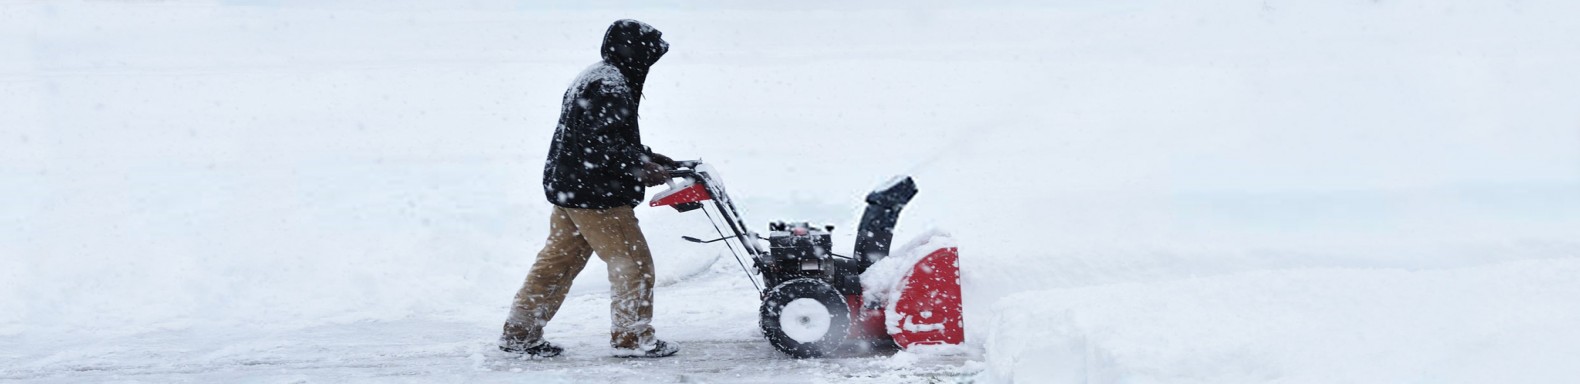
[{"x": 700, "y": 241}]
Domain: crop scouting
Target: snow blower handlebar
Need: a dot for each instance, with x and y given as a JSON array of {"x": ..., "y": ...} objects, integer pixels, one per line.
[{"x": 699, "y": 183}]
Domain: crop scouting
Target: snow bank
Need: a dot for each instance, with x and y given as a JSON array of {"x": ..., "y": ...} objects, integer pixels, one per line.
[{"x": 1510, "y": 322}]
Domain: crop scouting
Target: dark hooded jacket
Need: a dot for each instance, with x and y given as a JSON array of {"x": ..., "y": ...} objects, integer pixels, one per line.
[{"x": 597, "y": 155}]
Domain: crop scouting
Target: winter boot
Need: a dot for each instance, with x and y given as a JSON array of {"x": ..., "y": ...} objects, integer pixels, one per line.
[
  {"x": 659, "y": 348},
  {"x": 539, "y": 349},
  {"x": 514, "y": 340}
]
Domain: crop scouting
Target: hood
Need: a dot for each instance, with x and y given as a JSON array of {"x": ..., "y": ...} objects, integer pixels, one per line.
[{"x": 633, "y": 47}]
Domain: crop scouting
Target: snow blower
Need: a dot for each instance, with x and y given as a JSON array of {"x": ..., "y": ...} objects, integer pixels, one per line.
[{"x": 813, "y": 301}]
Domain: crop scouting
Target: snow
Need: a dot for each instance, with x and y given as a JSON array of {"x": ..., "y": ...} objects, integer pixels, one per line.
[
  {"x": 672, "y": 186},
  {"x": 1145, "y": 191},
  {"x": 607, "y": 75},
  {"x": 1506, "y": 322},
  {"x": 885, "y": 276},
  {"x": 883, "y": 280},
  {"x": 893, "y": 181}
]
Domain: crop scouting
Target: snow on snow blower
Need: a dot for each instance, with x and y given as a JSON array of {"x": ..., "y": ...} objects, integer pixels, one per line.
[{"x": 815, "y": 302}]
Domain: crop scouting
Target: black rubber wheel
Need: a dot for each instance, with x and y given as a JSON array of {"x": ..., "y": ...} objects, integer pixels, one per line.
[{"x": 805, "y": 318}]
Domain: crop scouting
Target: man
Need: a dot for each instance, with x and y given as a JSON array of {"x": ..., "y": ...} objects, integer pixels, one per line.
[{"x": 596, "y": 173}]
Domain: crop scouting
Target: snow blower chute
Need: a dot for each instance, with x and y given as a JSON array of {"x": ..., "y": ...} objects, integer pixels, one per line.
[{"x": 812, "y": 299}]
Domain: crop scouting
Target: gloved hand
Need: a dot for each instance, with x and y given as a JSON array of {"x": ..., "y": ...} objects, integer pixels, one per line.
[
  {"x": 654, "y": 174},
  {"x": 655, "y": 157}
]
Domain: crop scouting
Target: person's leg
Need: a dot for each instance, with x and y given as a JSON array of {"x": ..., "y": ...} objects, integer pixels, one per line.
[
  {"x": 562, "y": 257},
  {"x": 615, "y": 236}
]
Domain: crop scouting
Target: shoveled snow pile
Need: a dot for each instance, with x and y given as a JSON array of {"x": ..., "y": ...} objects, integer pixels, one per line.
[
  {"x": 1510, "y": 322},
  {"x": 884, "y": 278}
]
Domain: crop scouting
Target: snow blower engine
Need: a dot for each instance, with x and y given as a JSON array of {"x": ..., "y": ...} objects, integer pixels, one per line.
[{"x": 812, "y": 298}]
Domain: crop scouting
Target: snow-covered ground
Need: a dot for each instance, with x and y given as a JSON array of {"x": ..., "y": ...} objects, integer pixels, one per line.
[
  {"x": 1508, "y": 322},
  {"x": 1149, "y": 191},
  {"x": 714, "y": 327}
]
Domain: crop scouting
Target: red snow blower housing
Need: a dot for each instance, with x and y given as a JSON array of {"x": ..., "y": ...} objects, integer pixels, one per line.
[{"x": 812, "y": 298}]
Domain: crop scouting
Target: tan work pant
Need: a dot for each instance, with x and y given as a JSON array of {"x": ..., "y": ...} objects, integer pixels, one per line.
[{"x": 574, "y": 235}]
